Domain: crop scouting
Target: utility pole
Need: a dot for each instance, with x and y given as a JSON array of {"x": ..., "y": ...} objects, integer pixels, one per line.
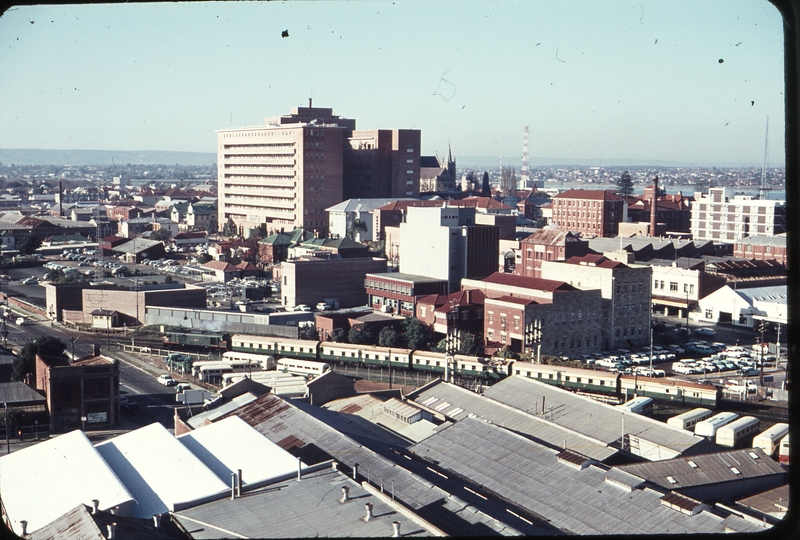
[
  {"x": 8, "y": 443},
  {"x": 763, "y": 327}
]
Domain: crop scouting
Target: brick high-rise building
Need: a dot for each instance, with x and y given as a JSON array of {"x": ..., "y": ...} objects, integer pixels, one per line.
[
  {"x": 592, "y": 212},
  {"x": 382, "y": 163}
]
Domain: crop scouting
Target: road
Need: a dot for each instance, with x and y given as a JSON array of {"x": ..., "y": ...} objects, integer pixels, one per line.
[{"x": 156, "y": 401}]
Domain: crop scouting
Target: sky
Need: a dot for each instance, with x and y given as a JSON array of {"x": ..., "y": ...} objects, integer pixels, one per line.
[{"x": 665, "y": 80}]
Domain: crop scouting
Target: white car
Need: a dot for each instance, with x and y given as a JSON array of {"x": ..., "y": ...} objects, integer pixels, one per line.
[
  {"x": 705, "y": 332},
  {"x": 301, "y": 307},
  {"x": 20, "y": 321},
  {"x": 167, "y": 380}
]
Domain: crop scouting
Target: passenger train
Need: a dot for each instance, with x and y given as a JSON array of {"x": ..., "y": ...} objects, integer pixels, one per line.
[{"x": 478, "y": 368}]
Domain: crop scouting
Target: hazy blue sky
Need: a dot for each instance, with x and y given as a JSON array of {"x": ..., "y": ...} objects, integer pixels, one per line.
[{"x": 686, "y": 81}]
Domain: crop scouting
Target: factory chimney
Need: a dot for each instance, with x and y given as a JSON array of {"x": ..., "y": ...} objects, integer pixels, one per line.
[{"x": 653, "y": 208}]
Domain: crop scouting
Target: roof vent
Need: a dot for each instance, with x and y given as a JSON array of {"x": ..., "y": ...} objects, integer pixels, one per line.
[
  {"x": 368, "y": 507},
  {"x": 157, "y": 521},
  {"x": 95, "y": 506},
  {"x": 24, "y": 525},
  {"x": 112, "y": 531},
  {"x": 395, "y": 529},
  {"x": 345, "y": 494},
  {"x": 574, "y": 459},
  {"x": 682, "y": 503}
]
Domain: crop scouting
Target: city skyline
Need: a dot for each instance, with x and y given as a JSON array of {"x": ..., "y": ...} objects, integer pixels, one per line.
[{"x": 655, "y": 82}]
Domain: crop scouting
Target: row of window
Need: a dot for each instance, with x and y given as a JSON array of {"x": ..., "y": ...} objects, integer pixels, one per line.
[
  {"x": 245, "y": 208},
  {"x": 283, "y": 146},
  {"x": 266, "y": 133},
  {"x": 257, "y": 176},
  {"x": 244, "y": 187},
  {"x": 274, "y": 156},
  {"x": 574, "y": 202},
  {"x": 320, "y": 145},
  {"x": 574, "y": 343},
  {"x": 673, "y": 286}
]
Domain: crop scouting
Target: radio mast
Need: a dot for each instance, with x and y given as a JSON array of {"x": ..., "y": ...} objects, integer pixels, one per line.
[
  {"x": 762, "y": 191},
  {"x": 525, "y": 176}
]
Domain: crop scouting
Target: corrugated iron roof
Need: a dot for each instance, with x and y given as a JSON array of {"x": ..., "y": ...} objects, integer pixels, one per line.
[
  {"x": 529, "y": 475},
  {"x": 706, "y": 468},
  {"x": 596, "y": 420}
]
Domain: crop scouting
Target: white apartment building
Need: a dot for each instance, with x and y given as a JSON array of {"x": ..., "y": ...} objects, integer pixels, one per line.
[
  {"x": 284, "y": 173},
  {"x": 445, "y": 243},
  {"x": 721, "y": 217}
]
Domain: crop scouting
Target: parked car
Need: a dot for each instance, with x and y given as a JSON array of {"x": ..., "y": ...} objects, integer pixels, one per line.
[
  {"x": 131, "y": 407},
  {"x": 30, "y": 281},
  {"x": 301, "y": 307},
  {"x": 167, "y": 380},
  {"x": 180, "y": 387},
  {"x": 20, "y": 321},
  {"x": 705, "y": 332}
]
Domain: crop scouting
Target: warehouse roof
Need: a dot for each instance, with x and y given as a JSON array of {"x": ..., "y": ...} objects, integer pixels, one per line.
[
  {"x": 161, "y": 473},
  {"x": 457, "y": 403},
  {"x": 309, "y": 508},
  {"x": 46, "y": 480},
  {"x": 315, "y": 441},
  {"x": 706, "y": 468},
  {"x": 593, "y": 419},
  {"x": 575, "y": 499},
  {"x": 236, "y": 445}
]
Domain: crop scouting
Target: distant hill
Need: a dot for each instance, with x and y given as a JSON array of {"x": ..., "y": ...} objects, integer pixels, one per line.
[
  {"x": 493, "y": 162},
  {"x": 28, "y": 156}
]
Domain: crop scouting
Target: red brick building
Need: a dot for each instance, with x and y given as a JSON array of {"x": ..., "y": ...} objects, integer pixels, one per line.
[
  {"x": 592, "y": 212},
  {"x": 86, "y": 389},
  {"x": 762, "y": 248},
  {"x": 467, "y": 308},
  {"x": 548, "y": 245},
  {"x": 401, "y": 292}
]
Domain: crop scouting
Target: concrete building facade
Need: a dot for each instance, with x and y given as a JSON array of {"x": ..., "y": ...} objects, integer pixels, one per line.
[
  {"x": 625, "y": 292},
  {"x": 721, "y": 217},
  {"x": 313, "y": 280},
  {"x": 445, "y": 243},
  {"x": 284, "y": 173}
]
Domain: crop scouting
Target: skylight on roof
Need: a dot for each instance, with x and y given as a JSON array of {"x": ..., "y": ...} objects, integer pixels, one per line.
[
  {"x": 430, "y": 400},
  {"x": 735, "y": 470},
  {"x": 692, "y": 464},
  {"x": 671, "y": 480},
  {"x": 753, "y": 455}
]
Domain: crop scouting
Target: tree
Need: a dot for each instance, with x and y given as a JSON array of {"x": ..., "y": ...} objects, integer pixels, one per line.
[
  {"x": 358, "y": 225},
  {"x": 29, "y": 244},
  {"x": 625, "y": 185},
  {"x": 486, "y": 189},
  {"x": 389, "y": 337},
  {"x": 230, "y": 228},
  {"x": 418, "y": 334},
  {"x": 213, "y": 225},
  {"x": 168, "y": 279},
  {"x": 161, "y": 235},
  {"x": 469, "y": 344},
  {"x": 508, "y": 180},
  {"x": 361, "y": 334},
  {"x": 309, "y": 333},
  {"x": 339, "y": 335},
  {"x": 25, "y": 362}
]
